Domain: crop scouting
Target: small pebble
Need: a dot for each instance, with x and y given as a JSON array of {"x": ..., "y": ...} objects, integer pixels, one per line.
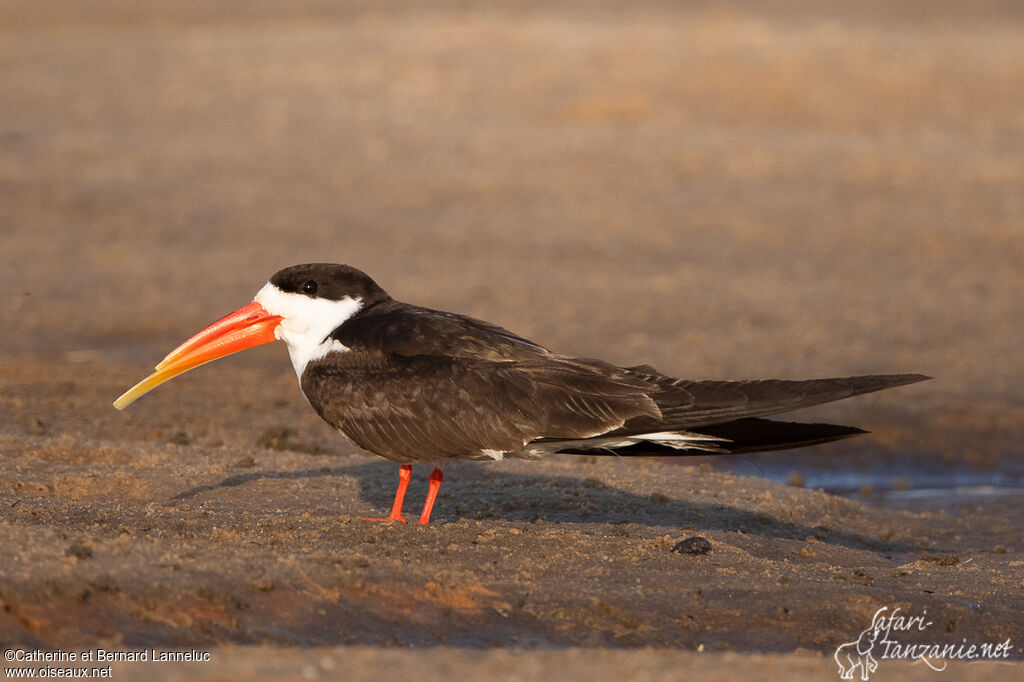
[
  {"x": 180, "y": 438},
  {"x": 78, "y": 550},
  {"x": 694, "y": 545}
]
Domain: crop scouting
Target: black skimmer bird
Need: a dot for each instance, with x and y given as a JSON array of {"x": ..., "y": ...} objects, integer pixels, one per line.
[{"x": 418, "y": 385}]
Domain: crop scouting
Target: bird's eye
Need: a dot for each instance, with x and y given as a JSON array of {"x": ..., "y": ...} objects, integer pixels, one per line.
[{"x": 309, "y": 287}]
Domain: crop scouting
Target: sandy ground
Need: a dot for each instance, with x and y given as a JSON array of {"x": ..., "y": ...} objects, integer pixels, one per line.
[{"x": 792, "y": 189}]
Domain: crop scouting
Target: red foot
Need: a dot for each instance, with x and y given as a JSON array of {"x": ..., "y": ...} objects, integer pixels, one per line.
[
  {"x": 404, "y": 474},
  {"x": 435, "y": 486}
]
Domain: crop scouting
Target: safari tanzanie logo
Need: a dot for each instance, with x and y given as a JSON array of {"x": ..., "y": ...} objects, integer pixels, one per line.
[{"x": 893, "y": 635}]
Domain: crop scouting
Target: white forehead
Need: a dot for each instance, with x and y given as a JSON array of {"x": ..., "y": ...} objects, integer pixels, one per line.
[
  {"x": 307, "y": 322},
  {"x": 301, "y": 307}
]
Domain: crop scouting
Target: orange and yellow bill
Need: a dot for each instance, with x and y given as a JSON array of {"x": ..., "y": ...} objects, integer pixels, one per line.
[{"x": 247, "y": 327}]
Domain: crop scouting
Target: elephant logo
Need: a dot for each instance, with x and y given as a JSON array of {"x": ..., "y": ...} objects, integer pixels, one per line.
[{"x": 856, "y": 654}]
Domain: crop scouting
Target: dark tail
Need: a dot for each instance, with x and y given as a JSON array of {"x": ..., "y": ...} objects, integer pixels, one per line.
[
  {"x": 731, "y": 412},
  {"x": 740, "y": 436},
  {"x": 692, "y": 405}
]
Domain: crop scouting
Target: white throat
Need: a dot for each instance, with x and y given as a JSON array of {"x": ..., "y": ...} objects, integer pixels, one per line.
[{"x": 307, "y": 323}]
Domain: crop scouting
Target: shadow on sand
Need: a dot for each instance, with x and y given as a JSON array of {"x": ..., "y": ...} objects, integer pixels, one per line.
[{"x": 481, "y": 492}]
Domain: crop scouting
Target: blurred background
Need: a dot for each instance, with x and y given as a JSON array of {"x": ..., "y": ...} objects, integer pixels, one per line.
[{"x": 721, "y": 189}]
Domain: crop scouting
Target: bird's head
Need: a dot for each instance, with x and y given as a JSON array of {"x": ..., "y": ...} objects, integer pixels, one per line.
[{"x": 300, "y": 305}]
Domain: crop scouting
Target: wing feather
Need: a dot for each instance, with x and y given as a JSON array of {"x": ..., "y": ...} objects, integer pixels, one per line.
[
  {"x": 427, "y": 407},
  {"x": 417, "y": 384},
  {"x": 705, "y": 403}
]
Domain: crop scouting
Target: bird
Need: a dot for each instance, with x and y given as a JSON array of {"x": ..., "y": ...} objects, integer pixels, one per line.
[{"x": 417, "y": 385}]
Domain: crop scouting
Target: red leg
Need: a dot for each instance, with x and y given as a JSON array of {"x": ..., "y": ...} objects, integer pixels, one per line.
[
  {"x": 404, "y": 474},
  {"x": 435, "y": 485}
]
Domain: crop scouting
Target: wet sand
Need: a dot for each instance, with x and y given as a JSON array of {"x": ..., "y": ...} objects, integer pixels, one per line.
[{"x": 792, "y": 190}]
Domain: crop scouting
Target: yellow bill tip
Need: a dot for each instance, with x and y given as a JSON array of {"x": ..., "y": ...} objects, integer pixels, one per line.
[{"x": 140, "y": 389}]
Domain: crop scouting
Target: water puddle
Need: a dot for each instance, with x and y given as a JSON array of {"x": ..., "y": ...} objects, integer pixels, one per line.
[{"x": 916, "y": 485}]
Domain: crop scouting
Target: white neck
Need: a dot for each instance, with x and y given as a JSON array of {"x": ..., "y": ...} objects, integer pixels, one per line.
[{"x": 307, "y": 323}]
